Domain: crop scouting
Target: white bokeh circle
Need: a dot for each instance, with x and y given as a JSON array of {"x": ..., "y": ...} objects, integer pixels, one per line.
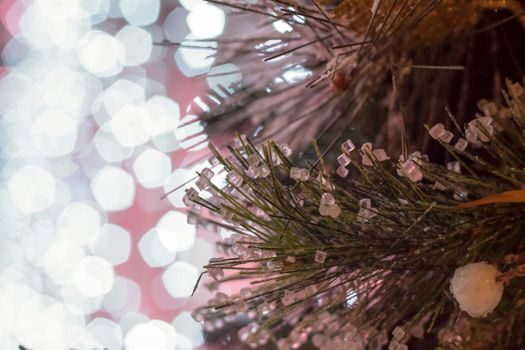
[{"x": 113, "y": 188}]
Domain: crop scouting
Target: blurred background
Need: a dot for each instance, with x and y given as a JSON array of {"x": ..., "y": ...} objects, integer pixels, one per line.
[{"x": 95, "y": 129}]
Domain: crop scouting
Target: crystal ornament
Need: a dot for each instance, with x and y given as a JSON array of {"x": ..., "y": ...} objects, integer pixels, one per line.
[{"x": 476, "y": 288}]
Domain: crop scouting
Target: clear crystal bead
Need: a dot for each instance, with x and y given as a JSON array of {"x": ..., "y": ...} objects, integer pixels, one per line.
[
  {"x": 234, "y": 178},
  {"x": 246, "y": 293},
  {"x": 454, "y": 166},
  {"x": 226, "y": 214},
  {"x": 365, "y": 203},
  {"x": 327, "y": 199},
  {"x": 436, "y": 131},
  {"x": 264, "y": 171},
  {"x": 398, "y": 333},
  {"x": 411, "y": 171},
  {"x": 192, "y": 193},
  {"x": 216, "y": 273},
  {"x": 320, "y": 256},
  {"x": 342, "y": 171},
  {"x": 380, "y": 155},
  {"x": 365, "y": 214},
  {"x": 288, "y": 298},
  {"x": 202, "y": 183},
  {"x": 343, "y": 159},
  {"x": 186, "y": 200},
  {"x": 334, "y": 211},
  {"x": 324, "y": 210},
  {"x": 304, "y": 175},
  {"x": 287, "y": 151},
  {"x": 207, "y": 173},
  {"x": 264, "y": 309},
  {"x": 366, "y": 147},
  {"x": 214, "y": 161},
  {"x": 253, "y": 172},
  {"x": 490, "y": 109},
  {"x": 461, "y": 144},
  {"x": 241, "y": 306},
  {"x": 365, "y": 160},
  {"x": 253, "y": 159},
  {"x": 348, "y": 146},
  {"x": 295, "y": 173},
  {"x": 439, "y": 186},
  {"x": 446, "y": 136},
  {"x": 310, "y": 290}
]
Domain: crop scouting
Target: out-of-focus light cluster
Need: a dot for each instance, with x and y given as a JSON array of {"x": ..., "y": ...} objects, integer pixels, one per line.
[{"x": 86, "y": 127}]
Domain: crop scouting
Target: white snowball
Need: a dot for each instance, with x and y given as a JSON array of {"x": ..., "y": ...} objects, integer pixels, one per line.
[{"x": 475, "y": 288}]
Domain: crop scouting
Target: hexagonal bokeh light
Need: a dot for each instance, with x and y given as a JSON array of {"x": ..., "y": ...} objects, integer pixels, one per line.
[{"x": 92, "y": 138}]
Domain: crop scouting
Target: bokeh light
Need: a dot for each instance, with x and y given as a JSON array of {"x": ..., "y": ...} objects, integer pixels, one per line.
[
  {"x": 152, "y": 168},
  {"x": 113, "y": 188},
  {"x": 206, "y": 21},
  {"x": 180, "y": 278},
  {"x": 90, "y": 49},
  {"x": 32, "y": 189},
  {"x": 152, "y": 250},
  {"x": 174, "y": 232}
]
